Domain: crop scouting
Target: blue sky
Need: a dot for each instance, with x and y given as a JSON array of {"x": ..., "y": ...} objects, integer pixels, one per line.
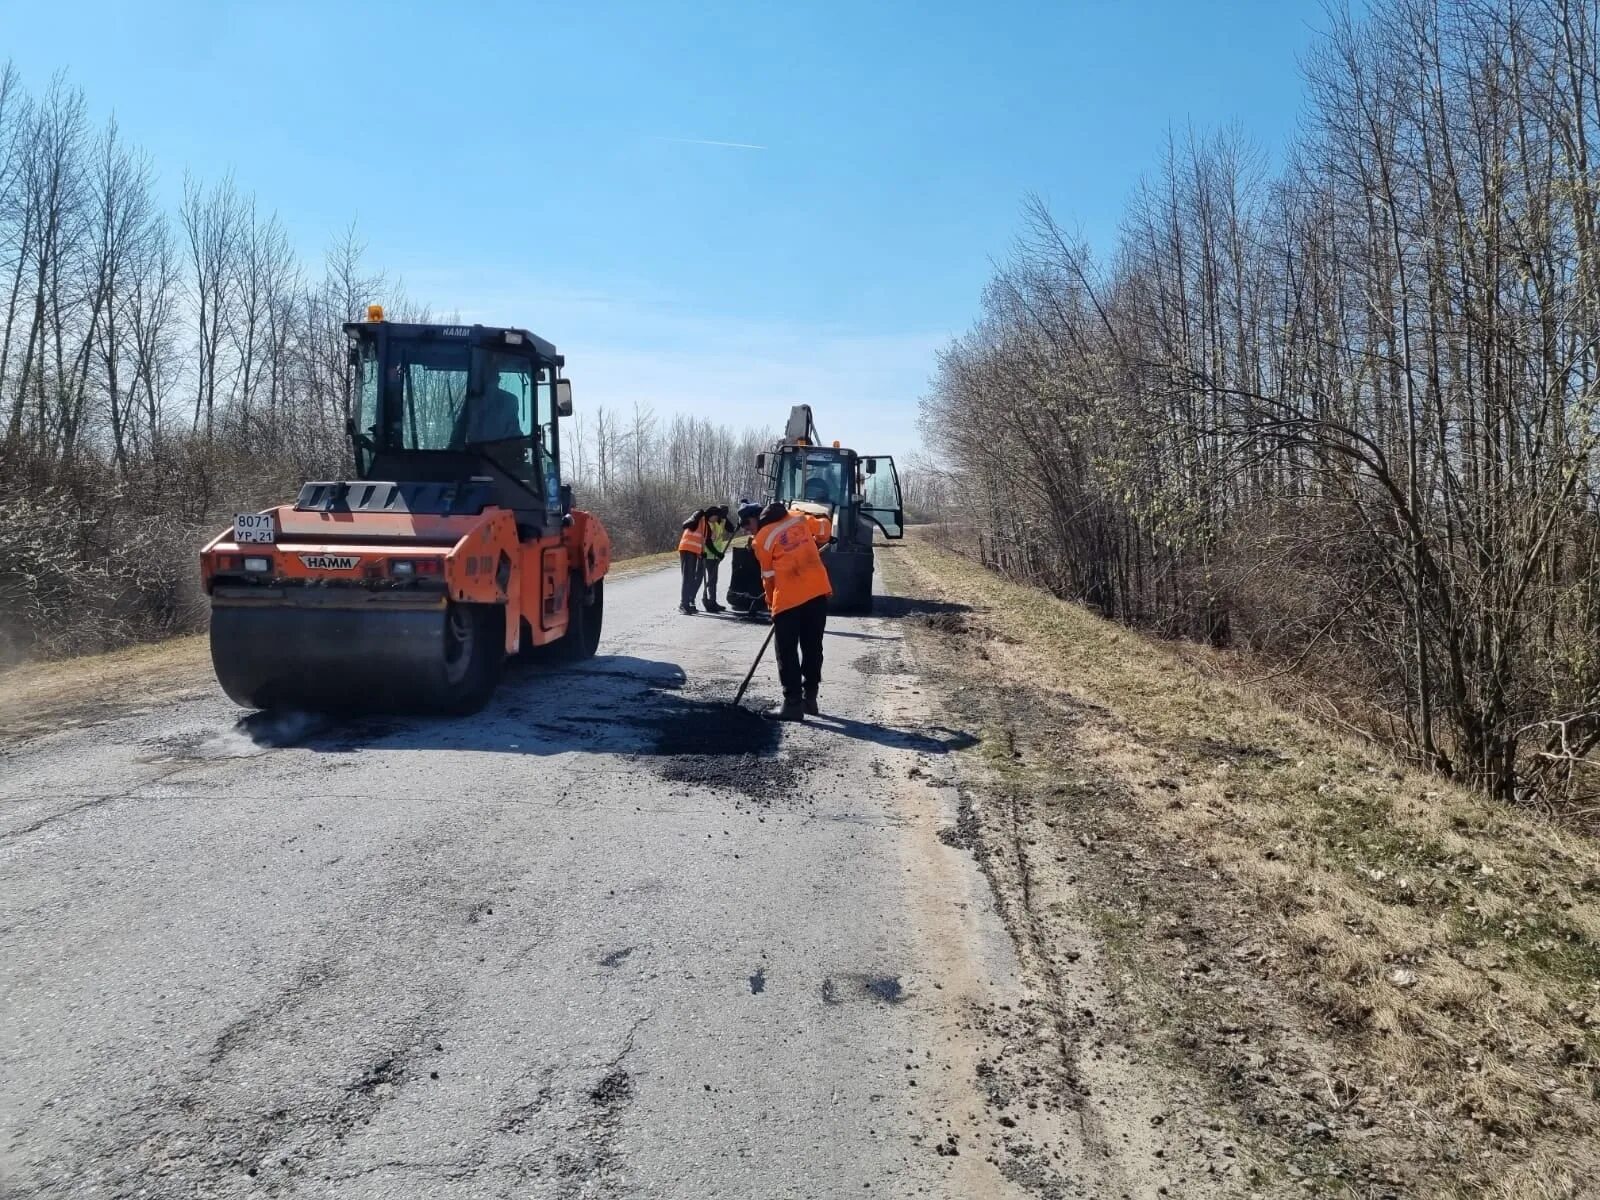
[{"x": 541, "y": 164}]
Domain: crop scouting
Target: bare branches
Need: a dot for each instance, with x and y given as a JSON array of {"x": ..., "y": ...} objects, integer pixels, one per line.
[
  {"x": 153, "y": 367},
  {"x": 1391, "y": 346}
]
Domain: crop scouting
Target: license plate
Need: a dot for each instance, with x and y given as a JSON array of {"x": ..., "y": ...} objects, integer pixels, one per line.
[{"x": 253, "y": 528}]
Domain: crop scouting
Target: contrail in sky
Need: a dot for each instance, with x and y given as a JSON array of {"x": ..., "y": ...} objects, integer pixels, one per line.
[{"x": 708, "y": 142}]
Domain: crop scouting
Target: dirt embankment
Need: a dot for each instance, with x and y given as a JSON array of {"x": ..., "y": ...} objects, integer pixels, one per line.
[{"x": 1378, "y": 985}]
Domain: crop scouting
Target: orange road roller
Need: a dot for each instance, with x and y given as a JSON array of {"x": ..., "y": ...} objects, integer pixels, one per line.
[{"x": 455, "y": 546}]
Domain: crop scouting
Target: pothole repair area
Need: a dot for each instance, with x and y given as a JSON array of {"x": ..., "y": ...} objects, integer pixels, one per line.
[{"x": 715, "y": 745}]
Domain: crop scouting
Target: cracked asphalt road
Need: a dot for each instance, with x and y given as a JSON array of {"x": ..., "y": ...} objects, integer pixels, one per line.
[{"x": 608, "y": 938}]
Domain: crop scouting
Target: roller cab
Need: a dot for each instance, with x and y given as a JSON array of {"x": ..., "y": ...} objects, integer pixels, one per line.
[{"x": 455, "y": 545}]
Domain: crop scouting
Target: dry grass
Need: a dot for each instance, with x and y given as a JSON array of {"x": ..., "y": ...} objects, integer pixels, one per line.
[
  {"x": 641, "y": 563},
  {"x": 36, "y": 698},
  {"x": 1397, "y": 983}
]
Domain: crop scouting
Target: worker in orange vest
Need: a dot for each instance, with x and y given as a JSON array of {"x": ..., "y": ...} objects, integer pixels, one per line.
[
  {"x": 787, "y": 545},
  {"x": 691, "y": 558}
]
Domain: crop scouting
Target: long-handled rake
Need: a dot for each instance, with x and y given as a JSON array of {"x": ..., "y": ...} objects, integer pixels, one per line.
[{"x": 760, "y": 654}]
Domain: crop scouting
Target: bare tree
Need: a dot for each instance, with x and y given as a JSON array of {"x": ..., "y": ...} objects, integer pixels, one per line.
[
  {"x": 264, "y": 270},
  {"x": 213, "y": 221},
  {"x": 123, "y": 223},
  {"x": 53, "y": 212},
  {"x": 1345, "y": 416}
]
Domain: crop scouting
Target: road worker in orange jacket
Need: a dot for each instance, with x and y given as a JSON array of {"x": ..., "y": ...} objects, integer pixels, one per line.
[
  {"x": 795, "y": 580},
  {"x": 821, "y": 521},
  {"x": 691, "y": 557}
]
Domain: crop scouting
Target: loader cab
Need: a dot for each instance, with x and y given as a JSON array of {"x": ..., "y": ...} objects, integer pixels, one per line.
[
  {"x": 468, "y": 405},
  {"x": 864, "y": 492}
]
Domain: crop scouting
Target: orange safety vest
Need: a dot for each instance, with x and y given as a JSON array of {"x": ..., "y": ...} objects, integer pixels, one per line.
[
  {"x": 821, "y": 525},
  {"x": 791, "y": 567},
  {"x": 693, "y": 540}
]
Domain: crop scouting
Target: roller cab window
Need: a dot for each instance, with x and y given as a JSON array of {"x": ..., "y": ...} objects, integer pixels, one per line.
[
  {"x": 452, "y": 397},
  {"x": 364, "y": 432},
  {"x": 439, "y": 408}
]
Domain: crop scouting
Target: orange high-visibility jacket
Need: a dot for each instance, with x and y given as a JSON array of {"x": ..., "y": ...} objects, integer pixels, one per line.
[
  {"x": 821, "y": 523},
  {"x": 693, "y": 540},
  {"x": 791, "y": 567}
]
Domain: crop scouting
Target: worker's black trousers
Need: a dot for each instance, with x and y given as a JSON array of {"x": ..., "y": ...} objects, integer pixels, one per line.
[
  {"x": 797, "y": 633},
  {"x": 711, "y": 580},
  {"x": 691, "y": 576}
]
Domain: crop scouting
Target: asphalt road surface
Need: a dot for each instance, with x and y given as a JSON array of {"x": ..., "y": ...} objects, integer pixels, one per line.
[{"x": 610, "y": 937}]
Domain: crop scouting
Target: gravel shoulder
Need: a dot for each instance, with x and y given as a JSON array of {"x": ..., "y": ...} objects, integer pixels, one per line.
[
  {"x": 37, "y": 698},
  {"x": 1349, "y": 979}
]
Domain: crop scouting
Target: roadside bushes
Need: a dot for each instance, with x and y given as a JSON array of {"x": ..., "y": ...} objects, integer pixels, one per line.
[
  {"x": 642, "y": 476},
  {"x": 92, "y": 559},
  {"x": 1346, "y": 416},
  {"x": 74, "y": 580},
  {"x": 160, "y": 371}
]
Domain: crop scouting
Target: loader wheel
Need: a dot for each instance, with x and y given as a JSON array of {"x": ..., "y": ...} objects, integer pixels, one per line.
[
  {"x": 865, "y": 599},
  {"x": 586, "y": 611},
  {"x": 852, "y": 594},
  {"x": 856, "y": 597},
  {"x": 474, "y": 649}
]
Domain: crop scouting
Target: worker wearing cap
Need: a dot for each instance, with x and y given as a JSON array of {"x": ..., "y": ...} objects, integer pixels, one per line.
[
  {"x": 718, "y": 535},
  {"x": 691, "y": 558},
  {"x": 796, "y": 585}
]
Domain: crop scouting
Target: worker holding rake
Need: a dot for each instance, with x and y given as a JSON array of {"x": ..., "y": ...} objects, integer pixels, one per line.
[
  {"x": 787, "y": 546},
  {"x": 691, "y": 558}
]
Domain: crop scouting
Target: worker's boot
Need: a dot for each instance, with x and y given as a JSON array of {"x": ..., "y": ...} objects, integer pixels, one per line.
[
  {"x": 810, "y": 703},
  {"x": 792, "y": 709}
]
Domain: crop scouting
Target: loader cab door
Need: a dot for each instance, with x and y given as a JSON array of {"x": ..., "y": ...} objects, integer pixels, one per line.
[{"x": 882, "y": 503}]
